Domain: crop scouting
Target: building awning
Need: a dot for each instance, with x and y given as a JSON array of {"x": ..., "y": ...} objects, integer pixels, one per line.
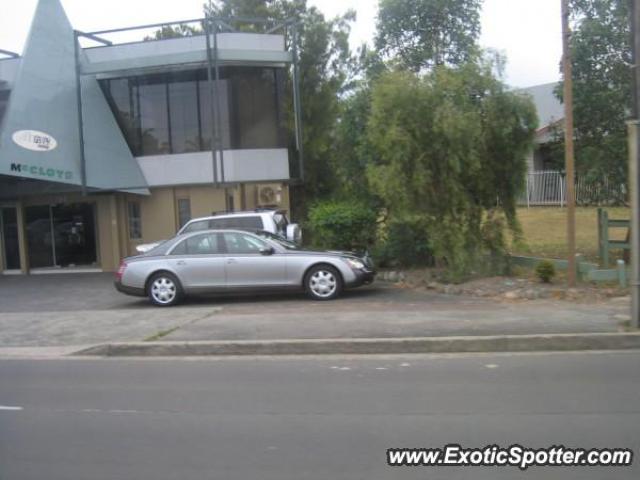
[{"x": 54, "y": 116}]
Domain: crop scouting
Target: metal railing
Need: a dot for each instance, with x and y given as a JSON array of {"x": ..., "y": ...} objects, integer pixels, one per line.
[{"x": 550, "y": 188}]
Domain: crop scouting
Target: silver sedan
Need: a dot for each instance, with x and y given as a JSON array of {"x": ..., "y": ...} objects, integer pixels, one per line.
[{"x": 234, "y": 261}]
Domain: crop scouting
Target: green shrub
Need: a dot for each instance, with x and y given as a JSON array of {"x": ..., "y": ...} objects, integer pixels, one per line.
[
  {"x": 405, "y": 244},
  {"x": 545, "y": 271},
  {"x": 343, "y": 225}
]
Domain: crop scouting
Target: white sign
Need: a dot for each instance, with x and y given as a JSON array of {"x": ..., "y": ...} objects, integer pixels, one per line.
[{"x": 34, "y": 140}]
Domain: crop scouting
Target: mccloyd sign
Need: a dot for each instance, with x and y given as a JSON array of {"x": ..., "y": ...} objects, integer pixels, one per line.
[
  {"x": 52, "y": 173},
  {"x": 37, "y": 141}
]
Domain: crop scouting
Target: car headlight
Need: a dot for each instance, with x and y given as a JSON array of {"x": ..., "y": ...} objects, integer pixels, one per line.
[{"x": 355, "y": 264}]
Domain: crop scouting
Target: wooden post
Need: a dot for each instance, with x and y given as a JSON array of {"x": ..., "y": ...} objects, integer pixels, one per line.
[
  {"x": 568, "y": 142},
  {"x": 634, "y": 165},
  {"x": 605, "y": 239},
  {"x": 600, "y": 233},
  {"x": 622, "y": 273}
]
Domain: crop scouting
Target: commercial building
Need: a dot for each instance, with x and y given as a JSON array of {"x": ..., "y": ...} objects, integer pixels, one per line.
[{"x": 105, "y": 145}]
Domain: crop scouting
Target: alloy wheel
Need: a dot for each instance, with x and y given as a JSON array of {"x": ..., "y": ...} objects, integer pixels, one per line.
[
  {"x": 323, "y": 283},
  {"x": 163, "y": 290}
]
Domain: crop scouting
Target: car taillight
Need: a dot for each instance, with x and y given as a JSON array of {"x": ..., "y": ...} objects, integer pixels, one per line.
[{"x": 121, "y": 269}]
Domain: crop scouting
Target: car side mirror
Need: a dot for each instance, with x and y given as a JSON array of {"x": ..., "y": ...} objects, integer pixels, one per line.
[{"x": 267, "y": 251}]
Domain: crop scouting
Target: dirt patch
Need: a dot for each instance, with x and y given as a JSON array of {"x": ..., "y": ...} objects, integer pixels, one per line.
[{"x": 510, "y": 289}]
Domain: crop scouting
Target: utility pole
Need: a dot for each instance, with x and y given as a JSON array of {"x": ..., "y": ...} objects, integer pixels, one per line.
[
  {"x": 568, "y": 145},
  {"x": 634, "y": 164}
]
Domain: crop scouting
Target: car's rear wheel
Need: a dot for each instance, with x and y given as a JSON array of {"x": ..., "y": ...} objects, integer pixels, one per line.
[
  {"x": 164, "y": 289},
  {"x": 323, "y": 282}
]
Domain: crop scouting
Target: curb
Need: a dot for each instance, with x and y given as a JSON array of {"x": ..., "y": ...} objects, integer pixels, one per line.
[{"x": 468, "y": 344}]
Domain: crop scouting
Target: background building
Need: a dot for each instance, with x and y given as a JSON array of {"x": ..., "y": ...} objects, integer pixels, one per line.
[{"x": 104, "y": 146}]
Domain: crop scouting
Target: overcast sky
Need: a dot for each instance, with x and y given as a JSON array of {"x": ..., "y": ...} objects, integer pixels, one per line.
[{"x": 527, "y": 31}]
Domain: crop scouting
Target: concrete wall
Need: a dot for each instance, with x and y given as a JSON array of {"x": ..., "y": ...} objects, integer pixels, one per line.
[{"x": 249, "y": 165}]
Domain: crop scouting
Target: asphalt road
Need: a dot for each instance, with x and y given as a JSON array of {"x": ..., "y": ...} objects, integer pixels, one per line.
[{"x": 309, "y": 418}]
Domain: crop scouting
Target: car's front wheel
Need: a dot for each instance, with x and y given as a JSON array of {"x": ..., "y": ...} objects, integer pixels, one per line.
[
  {"x": 323, "y": 282},
  {"x": 164, "y": 289}
]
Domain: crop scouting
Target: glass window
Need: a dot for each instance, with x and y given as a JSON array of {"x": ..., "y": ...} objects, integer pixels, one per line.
[
  {"x": 184, "y": 211},
  {"x": 205, "y": 112},
  {"x": 4, "y": 99},
  {"x": 254, "y": 107},
  {"x": 239, "y": 243},
  {"x": 245, "y": 223},
  {"x": 183, "y": 105},
  {"x": 196, "y": 226},
  {"x": 172, "y": 113},
  {"x": 281, "y": 222},
  {"x": 135, "y": 220},
  {"x": 154, "y": 119},
  {"x": 180, "y": 249},
  {"x": 122, "y": 95},
  {"x": 198, "y": 245}
]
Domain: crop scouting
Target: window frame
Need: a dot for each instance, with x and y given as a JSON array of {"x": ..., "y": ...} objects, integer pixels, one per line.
[
  {"x": 178, "y": 212},
  {"x": 223, "y": 235},
  {"x": 131, "y": 218}
]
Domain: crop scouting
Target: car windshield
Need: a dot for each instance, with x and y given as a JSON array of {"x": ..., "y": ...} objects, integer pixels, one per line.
[
  {"x": 279, "y": 240},
  {"x": 159, "y": 249}
]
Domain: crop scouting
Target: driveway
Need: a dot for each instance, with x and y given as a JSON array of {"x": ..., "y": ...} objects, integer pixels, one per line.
[{"x": 84, "y": 309}]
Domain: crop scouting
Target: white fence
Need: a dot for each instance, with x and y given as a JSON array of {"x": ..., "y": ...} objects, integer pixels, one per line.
[{"x": 550, "y": 188}]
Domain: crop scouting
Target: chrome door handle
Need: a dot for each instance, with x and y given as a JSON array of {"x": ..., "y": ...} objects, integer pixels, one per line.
[
  {"x": 232, "y": 260},
  {"x": 181, "y": 262}
]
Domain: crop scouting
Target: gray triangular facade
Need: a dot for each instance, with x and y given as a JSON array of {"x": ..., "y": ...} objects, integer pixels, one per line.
[{"x": 40, "y": 137}]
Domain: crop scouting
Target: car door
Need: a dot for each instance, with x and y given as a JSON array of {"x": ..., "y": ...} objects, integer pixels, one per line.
[
  {"x": 246, "y": 266},
  {"x": 199, "y": 262}
]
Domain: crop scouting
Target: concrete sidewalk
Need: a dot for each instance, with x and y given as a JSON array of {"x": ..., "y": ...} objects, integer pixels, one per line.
[{"x": 60, "y": 311}]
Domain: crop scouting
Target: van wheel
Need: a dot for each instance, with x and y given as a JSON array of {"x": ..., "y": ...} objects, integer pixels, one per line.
[
  {"x": 323, "y": 282},
  {"x": 164, "y": 289}
]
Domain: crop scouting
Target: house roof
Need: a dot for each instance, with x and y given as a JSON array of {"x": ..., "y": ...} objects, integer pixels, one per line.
[{"x": 549, "y": 108}]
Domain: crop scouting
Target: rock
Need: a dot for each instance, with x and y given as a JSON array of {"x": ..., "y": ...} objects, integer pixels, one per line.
[
  {"x": 531, "y": 294},
  {"x": 392, "y": 276},
  {"x": 625, "y": 299},
  {"x": 622, "y": 317},
  {"x": 401, "y": 277},
  {"x": 433, "y": 285},
  {"x": 512, "y": 295}
]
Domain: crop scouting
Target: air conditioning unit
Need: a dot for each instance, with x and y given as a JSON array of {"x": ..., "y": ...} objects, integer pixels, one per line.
[{"x": 269, "y": 195}]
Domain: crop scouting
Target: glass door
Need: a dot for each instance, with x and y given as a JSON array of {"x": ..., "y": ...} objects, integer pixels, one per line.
[
  {"x": 39, "y": 236},
  {"x": 61, "y": 235},
  {"x": 75, "y": 234},
  {"x": 9, "y": 234}
]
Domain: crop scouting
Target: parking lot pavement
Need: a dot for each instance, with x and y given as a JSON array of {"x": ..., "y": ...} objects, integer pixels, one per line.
[{"x": 84, "y": 309}]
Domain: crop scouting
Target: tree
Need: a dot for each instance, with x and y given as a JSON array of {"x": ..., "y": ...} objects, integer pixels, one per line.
[
  {"x": 601, "y": 55},
  {"x": 450, "y": 148},
  {"x": 426, "y": 33},
  {"x": 168, "y": 31}
]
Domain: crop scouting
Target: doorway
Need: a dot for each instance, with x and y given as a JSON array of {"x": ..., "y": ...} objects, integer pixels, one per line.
[
  {"x": 9, "y": 240},
  {"x": 62, "y": 235}
]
